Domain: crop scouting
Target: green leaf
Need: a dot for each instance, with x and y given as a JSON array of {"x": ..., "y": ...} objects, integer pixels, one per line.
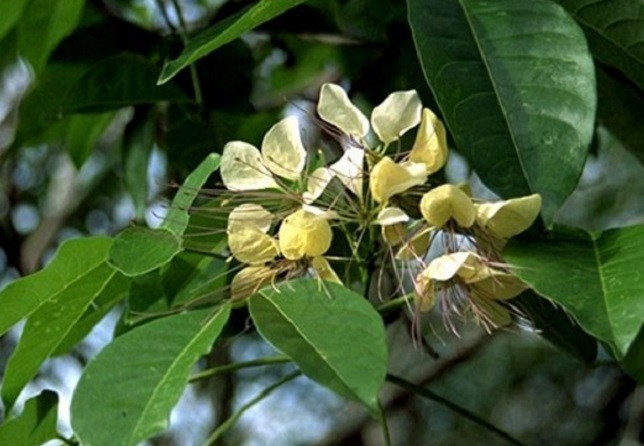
[
  {"x": 75, "y": 261},
  {"x": 10, "y": 12},
  {"x": 83, "y": 133},
  {"x": 139, "y": 250},
  {"x": 597, "y": 278},
  {"x": 48, "y": 326},
  {"x": 516, "y": 86},
  {"x": 615, "y": 32},
  {"x": 35, "y": 425},
  {"x": 119, "y": 81},
  {"x": 138, "y": 143},
  {"x": 224, "y": 32},
  {"x": 45, "y": 24},
  {"x": 177, "y": 219},
  {"x": 138, "y": 378},
  {"x": 333, "y": 334}
]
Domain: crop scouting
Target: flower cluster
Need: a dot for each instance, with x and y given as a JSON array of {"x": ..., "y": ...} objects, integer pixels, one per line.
[{"x": 383, "y": 179}]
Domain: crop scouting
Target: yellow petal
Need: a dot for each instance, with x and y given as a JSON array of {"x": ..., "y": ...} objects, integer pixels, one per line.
[
  {"x": 335, "y": 108},
  {"x": 388, "y": 178},
  {"x": 242, "y": 168},
  {"x": 304, "y": 234},
  {"x": 318, "y": 180},
  {"x": 447, "y": 202},
  {"x": 394, "y": 234},
  {"x": 445, "y": 267},
  {"x": 250, "y": 214},
  {"x": 430, "y": 147},
  {"x": 399, "y": 112},
  {"x": 499, "y": 286},
  {"x": 248, "y": 244},
  {"x": 282, "y": 149},
  {"x": 505, "y": 219},
  {"x": 416, "y": 248},
  {"x": 425, "y": 295},
  {"x": 250, "y": 280},
  {"x": 489, "y": 313},
  {"x": 324, "y": 270},
  {"x": 390, "y": 216},
  {"x": 349, "y": 170}
]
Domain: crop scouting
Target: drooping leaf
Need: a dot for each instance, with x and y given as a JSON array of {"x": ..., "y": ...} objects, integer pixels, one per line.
[
  {"x": 138, "y": 142},
  {"x": 599, "y": 279},
  {"x": 177, "y": 219},
  {"x": 83, "y": 133},
  {"x": 71, "y": 269},
  {"x": 615, "y": 32},
  {"x": 138, "y": 250},
  {"x": 49, "y": 325},
  {"x": 119, "y": 81},
  {"x": 35, "y": 425},
  {"x": 10, "y": 12},
  {"x": 138, "y": 378},
  {"x": 333, "y": 334},
  {"x": 515, "y": 82},
  {"x": 225, "y": 32},
  {"x": 45, "y": 24}
]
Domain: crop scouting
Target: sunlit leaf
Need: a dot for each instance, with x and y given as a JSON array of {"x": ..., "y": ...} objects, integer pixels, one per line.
[
  {"x": 35, "y": 425},
  {"x": 138, "y": 378},
  {"x": 598, "y": 279},
  {"x": 333, "y": 334},
  {"x": 225, "y": 32},
  {"x": 615, "y": 32},
  {"x": 516, "y": 85},
  {"x": 139, "y": 250}
]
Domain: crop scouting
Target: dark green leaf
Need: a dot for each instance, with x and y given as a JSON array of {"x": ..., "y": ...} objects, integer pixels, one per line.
[
  {"x": 177, "y": 219},
  {"x": 598, "y": 279},
  {"x": 10, "y": 12},
  {"x": 225, "y": 32},
  {"x": 138, "y": 143},
  {"x": 119, "y": 81},
  {"x": 35, "y": 425},
  {"x": 333, "y": 334},
  {"x": 44, "y": 25},
  {"x": 139, "y": 250},
  {"x": 615, "y": 32},
  {"x": 138, "y": 378},
  {"x": 516, "y": 86}
]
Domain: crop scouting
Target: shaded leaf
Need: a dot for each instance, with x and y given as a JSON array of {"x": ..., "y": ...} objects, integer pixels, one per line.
[
  {"x": 139, "y": 250},
  {"x": 82, "y": 134},
  {"x": 516, "y": 86},
  {"x": 598, "y": 278},
  {"x": 119, "y": 81},
  {"x": 177, "y": 219},
  {"x": 10, "y": 12},
  {"x": 615, "y": 32},
  {"x": 225, "y": 32},
  {"x": 138, "y": 378},
  {"x": 35, "y": 425},
  {"x": 44, "y": 26},
  {"x": 138, "y": 142},
  {"x": 333, "y": 334}
]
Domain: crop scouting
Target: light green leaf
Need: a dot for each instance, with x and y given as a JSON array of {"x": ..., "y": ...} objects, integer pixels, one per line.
[
  {"x": 139, "y": 250},
  {"x": 225, "y": 32},
  {"x": 73, "y": 264},
  {"x": 10, "y": 12},
  {"x": 615, "y": 32},
  {"x": 48, "y": 326},
  {"x": 83, "y": 133},
  {"x": 44, "y": 25},
  {"x": 35, "y": 425},
  {"x": 598, "y": 279},
  {"x": 119, "y": 81},
  {"x": 333, "y": 334},
  {"x": 138, "y": 378},
  {"x": 177, "y": 219},
  {"x": 516, "y": 85}
]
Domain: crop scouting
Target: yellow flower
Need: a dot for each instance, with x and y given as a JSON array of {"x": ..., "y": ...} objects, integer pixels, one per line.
[
  {"x": 445, "y": 203},
  {"x": 505, "y": 219},
  {"x": 389, "y": 178},
  {"x": 430, "y": 147},
  {"x": 248, "y": 240},
  {"x": 304, "y": 234},
  {"x": 249, "y": 280},
  {"x": 245, "y": 168},
  {"x": 392, "y": 220}
]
